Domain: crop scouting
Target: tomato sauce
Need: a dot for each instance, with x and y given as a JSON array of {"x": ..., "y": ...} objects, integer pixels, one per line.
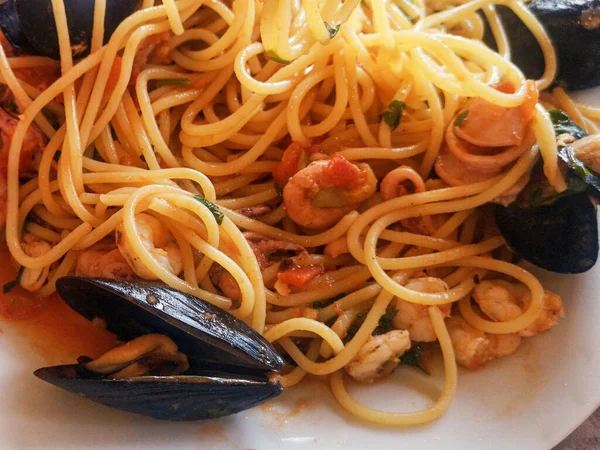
[{"x": 53, "y": 330}]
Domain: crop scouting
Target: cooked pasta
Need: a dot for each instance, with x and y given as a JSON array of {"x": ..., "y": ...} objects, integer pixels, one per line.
[{"x": 321, "y": 170}]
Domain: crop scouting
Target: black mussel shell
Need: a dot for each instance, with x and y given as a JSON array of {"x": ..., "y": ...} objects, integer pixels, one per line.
[
  {"x": 561, "y": 237},
  {"x": 209, "y": 336},
  {"x": 573, "y": 26},
  {"x": 34, "y": 19},
  {"x": 9, "y": 24},
  {"x": 168, "y": 398}
]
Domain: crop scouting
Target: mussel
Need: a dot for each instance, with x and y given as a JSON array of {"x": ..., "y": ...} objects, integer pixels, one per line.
[
  {"x": 557, "y": 231},
  {"x": 31, "y": 23},
  {"x": 573, "y": 27},
  {"x": 229, "y": 363}
]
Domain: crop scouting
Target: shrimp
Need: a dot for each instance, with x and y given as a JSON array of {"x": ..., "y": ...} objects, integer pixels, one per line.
[
  {"x": 414, "y": 318},
  {"x": 502, "y": 301},
  {"x": 34, "y": 279},
  {"x": 472, "y": 348},
  {"x": 319, "y": 195},
  {"x": 157, "y": 240},
  {"x": 379, "y": 356},
  {"x": 104, "y": 262}
]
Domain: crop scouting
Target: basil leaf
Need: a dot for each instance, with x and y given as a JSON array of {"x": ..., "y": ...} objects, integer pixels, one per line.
[
  {"x": 385, "y": 323},
  {"x": 461, "y": 118},
  {"x": 332, "y": 29},
  {"x": 393, "y": 115},
  {"x": 563, "y": 124},
  {"x": 214, "y": 209},
  {"x": 412, "y": 357},
  {"x": 173, "y": 82}
]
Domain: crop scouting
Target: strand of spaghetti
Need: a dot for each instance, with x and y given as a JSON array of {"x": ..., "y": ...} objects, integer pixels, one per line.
[
  {"x": 173, "y": 15},
  {"x": 21, "y": 96},
  {"x": 544, "y": 133},
  {"x": 304, "y": 324},
  {"x": 296, "y": 375},
  {"x": 436, "y": 410}
]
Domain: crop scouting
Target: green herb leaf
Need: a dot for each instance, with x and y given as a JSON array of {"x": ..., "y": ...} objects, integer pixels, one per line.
[
  {"x": 393, "y": 115},
  {"x": 275, "y": 57},
  {"x": 14, "y": 283},
  {"x": 327, "y": 302},
  {"x": 461, "y": 118},
  {"x": 278, "y": 190},
  {"x": 385, "y": 323},
  {"x": 412, "y": 357},
  {"x": 332, "y": 29},
  {"x": 563, "y": 124},
  {"x": 173, "y": 82},
  {"x": 214, "y": 209},
  {"x": 352, "y": 329}
]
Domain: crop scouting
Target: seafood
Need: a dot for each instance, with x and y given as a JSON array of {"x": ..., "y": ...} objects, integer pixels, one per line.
[
  {"x": 157, "y": 240},
  {"x": 414, "y": 317},
  {"x": 502, "y": 301},
  {"x": 229, "y": 363},
  {"x": 33, "y": 279},
  {"x": 104, "y": 261},
  {"x": 319, "y": 195},
  {"x": 379, "y": 356}
]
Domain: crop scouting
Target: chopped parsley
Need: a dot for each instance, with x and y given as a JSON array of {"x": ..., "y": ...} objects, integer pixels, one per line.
[
  {"x": 275, "y": 57},
  {"x": 214, "y": 209},
  {"x": 332, "y": 29},
  {"x": 173, "y": 82},
  {"x": 393, "y": 114},
  {"x": 461, "y": 118},
  {"x": 385, "y": 323},
  {"x": 412, "y": 357}
]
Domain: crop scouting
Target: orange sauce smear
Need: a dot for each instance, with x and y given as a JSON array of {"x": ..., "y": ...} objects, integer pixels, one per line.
[{"x": 53, "y": 329}]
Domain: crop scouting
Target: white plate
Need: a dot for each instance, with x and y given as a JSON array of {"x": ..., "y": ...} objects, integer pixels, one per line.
[{"x": 530, "y": 400}]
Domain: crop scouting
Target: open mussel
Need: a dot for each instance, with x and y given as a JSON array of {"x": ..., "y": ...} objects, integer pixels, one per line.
[
  {"x": 558, "y": 231},
  {"x": 31, "y": 23},
  {"x": 184, "y": 360}
]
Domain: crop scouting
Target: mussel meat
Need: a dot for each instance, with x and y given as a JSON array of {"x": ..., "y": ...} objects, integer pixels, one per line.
[
  {"x": 31, "y": 23},
  {"x": 227, "y": 365}
]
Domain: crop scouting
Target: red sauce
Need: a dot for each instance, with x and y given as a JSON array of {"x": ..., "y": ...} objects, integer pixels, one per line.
[{"x": 54, "y": 330}]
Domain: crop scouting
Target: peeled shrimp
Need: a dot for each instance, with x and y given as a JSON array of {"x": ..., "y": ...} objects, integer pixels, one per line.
[
  {"x": 319, "y": 195},
  {"x": 157, "y": 240},
  {"x": 414, "y": 318},
  {"x": 103, "y": 262},
  {"x": 502, "y": 301},
  {"x": 34, "y": 279},
  {"x": 379, "y": 356},
  {"x": 337, "y": 247}
]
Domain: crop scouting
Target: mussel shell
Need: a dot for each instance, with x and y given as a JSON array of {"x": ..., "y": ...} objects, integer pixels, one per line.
[
  {"x": 36, "y": 19},
  {"x": 9, "y": 24},
  {"x": 561, "y": 237},
  {"x": 168, "y": 398},
  {"x": 209, "y": 336}
]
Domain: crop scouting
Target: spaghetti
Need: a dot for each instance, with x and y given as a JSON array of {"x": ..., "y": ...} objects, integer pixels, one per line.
[{"x": 209, "y": 138}]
